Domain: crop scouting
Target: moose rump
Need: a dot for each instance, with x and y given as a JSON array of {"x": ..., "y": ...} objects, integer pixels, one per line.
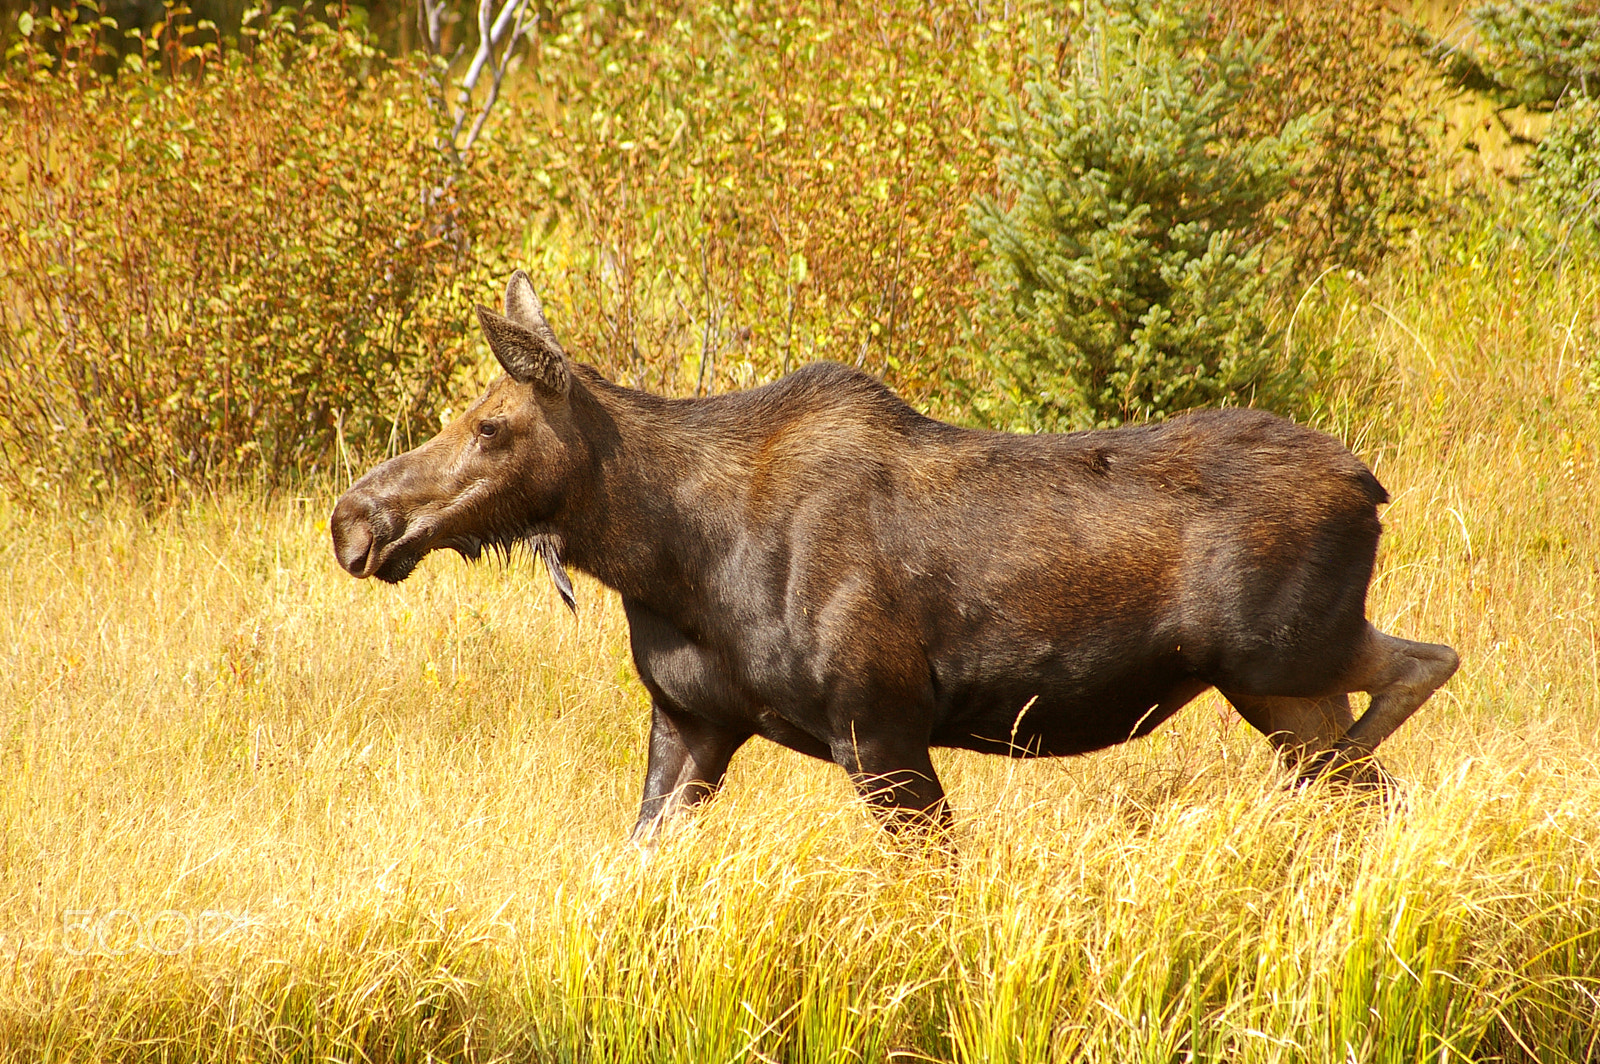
[
  {"x": 815, "y": 562},
  {"x": 1088, "y": 585}
]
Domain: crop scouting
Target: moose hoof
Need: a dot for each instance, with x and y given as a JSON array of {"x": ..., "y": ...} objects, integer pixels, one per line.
[
  {"x": 647, "y": 834},
  {"x": 1356, "y": 773}
]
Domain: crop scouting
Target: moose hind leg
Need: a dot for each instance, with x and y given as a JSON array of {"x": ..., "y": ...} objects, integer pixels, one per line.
[
  {"x": 1306, "y": 730},
  {"x": 1400, "y": 675},
  {"x": 1299, "y": 728}
]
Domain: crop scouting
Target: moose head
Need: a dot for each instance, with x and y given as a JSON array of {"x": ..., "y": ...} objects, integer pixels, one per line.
[{"x": 499, "y": 474}]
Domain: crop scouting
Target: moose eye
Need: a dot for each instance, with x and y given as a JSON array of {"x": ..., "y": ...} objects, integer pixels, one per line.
[{"x": 487, "y": 429}]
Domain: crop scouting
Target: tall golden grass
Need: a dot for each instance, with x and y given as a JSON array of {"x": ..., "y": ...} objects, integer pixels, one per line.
[{"x": 253, "y": 809}]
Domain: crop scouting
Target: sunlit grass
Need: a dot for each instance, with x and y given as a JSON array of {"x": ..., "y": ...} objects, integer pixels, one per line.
[{"x": 255, "y": 809}]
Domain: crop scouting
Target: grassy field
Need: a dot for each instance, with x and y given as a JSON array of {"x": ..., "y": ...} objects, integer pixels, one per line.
[{"x": 253, "y": 809}]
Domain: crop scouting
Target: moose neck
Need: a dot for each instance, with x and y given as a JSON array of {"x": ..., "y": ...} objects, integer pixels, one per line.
[{"x": 663, "y": 484}]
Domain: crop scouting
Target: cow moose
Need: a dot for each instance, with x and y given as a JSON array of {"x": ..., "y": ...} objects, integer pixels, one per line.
[{"x": 815, "y": 562}]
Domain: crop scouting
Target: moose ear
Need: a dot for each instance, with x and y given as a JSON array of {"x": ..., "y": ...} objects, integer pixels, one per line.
[
  {"x": 530, "y": 355},
  {"x": 522, "y": 303}
]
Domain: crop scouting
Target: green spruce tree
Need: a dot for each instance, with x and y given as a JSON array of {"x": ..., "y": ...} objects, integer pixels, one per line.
[{"x": 1128, "y": 255}]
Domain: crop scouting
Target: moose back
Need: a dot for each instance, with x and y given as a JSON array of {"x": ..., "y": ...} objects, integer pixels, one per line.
[{"x": 816, "y": 563}]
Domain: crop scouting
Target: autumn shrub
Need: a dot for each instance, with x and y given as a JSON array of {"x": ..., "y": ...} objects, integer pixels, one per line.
[
  {"x": 221, "y": 258},
  {"x": 718, "y": 192},
  {"x": 1361, "y": 180},
  {"x": 215, "y": 260},
  {"x": 1565, "y": 169},
  {"x": 1544, "y": 56}
]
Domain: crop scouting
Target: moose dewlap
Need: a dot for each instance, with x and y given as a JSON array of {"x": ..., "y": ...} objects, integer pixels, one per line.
[{"x": 814, "y": 562}]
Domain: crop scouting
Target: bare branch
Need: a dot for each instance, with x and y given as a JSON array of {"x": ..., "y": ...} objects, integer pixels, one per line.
[
  {"x": 499, "y": 76},
  {"x": 490, "y": 35},
  {"x": 500, "y": 25},
  {"x": 430, "y": 22}
]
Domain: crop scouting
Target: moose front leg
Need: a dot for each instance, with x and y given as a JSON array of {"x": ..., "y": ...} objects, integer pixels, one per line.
[
  {"x": 688, "y": 759},
  {"x": 896, "y": 776}
]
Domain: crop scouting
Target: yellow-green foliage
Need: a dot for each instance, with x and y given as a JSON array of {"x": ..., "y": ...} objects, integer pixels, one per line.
[
  {"x": 215, "y": 260},
  {"x": 1361, "y": 182},
  {"x": 387, "y": 823},
  {"x": 722, "y": 192},
  {"x": 226, "y": 257}
]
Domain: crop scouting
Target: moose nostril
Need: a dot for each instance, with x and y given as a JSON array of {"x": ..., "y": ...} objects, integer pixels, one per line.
[
  {"x": 353, "y": 548},
  {"x": 352, "y": 536}
]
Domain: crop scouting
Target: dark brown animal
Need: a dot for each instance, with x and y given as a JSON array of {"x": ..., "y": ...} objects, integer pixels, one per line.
[{"x": 815, "y": 562}]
